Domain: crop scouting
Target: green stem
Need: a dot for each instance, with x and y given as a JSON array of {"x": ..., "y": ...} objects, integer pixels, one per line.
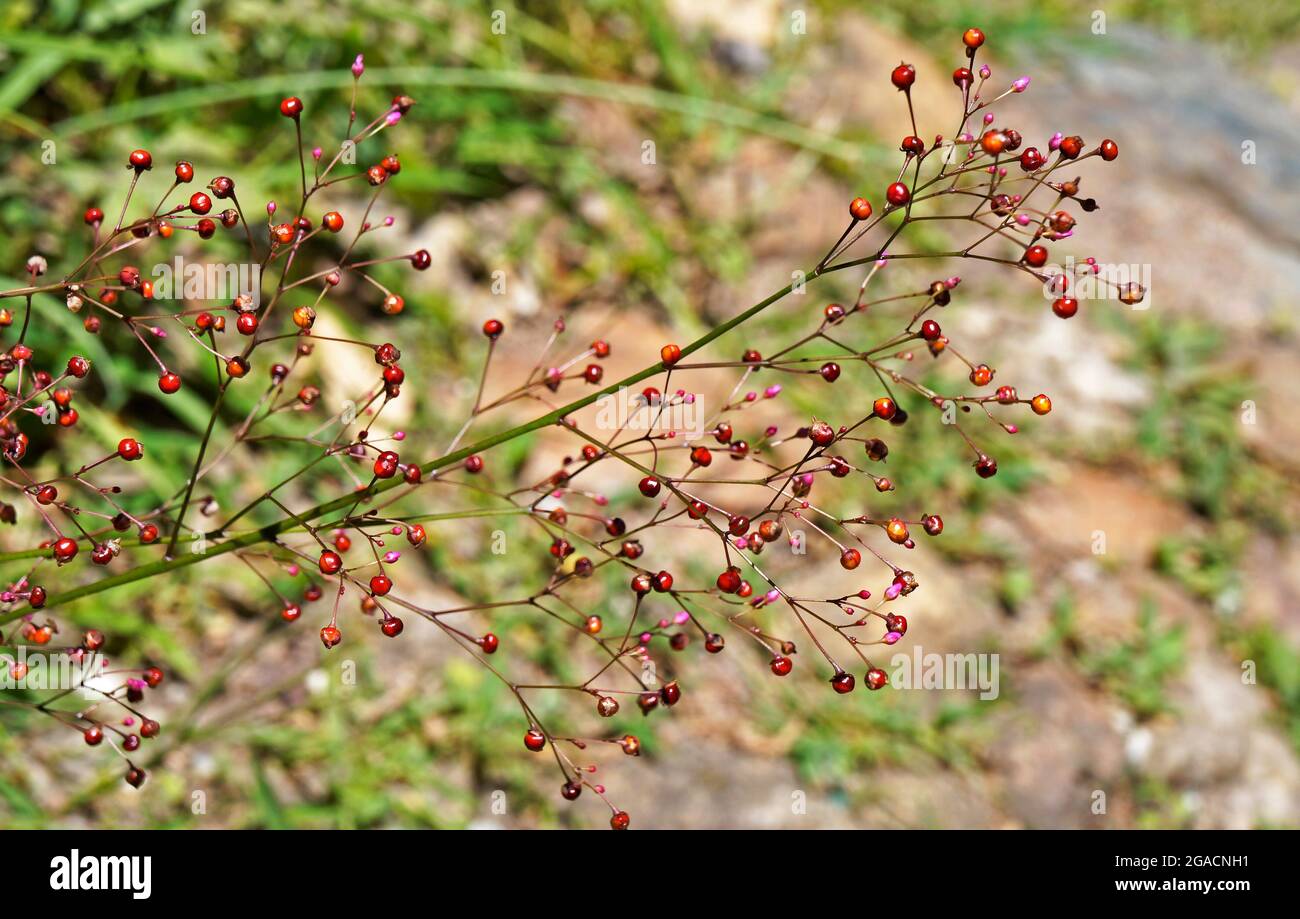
[{"x": 271, "y": 532}]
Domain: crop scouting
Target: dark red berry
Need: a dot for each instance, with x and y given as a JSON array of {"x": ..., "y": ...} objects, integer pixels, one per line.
[{"x": 898, "y": 194}]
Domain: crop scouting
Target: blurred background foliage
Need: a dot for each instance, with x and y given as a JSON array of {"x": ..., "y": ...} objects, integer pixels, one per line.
[{"x": 515, "y": 133}]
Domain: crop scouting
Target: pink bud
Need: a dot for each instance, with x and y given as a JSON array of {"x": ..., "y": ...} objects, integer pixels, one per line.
[
  {"x": 681, "y": 617},
  {"x": 1055, "y": 142},
  {"x": 1020, "y": 85},
  {"x": 391, "y": 556},
  {"x": 393, "y": 117},
  {"x": 894, "y": 590},
  {"x": 892, "y": 638},
  {"x": 316, "y": 153},
  {"x": 985, "y": 72},
  {"x": 772, "y": 391},
  {"x": 358, "y": 66}
]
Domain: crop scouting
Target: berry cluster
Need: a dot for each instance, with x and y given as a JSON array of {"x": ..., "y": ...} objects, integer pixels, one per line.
[{"x": 983, "y": 178}]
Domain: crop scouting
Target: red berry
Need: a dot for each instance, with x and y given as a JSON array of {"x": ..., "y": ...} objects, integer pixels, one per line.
[
  {"x": 94, "y": 735},
  {"x": 885, "y": 408},
  {"x": 620, "y": 821},
  {"x": 961, "y": 77},
  {"x": 392, "y": 627},
  {"x": 291, "y": 107},
  {"x": 930, "y": 330},
  {"x": 843, "y": 682},
  {"x": 782, "y": 666},
  {"x": 850, "y": 559},
  {"x": 821, "y": 433},
  {"x": 200, "y": 203},
  {"x": 330, "y": 636},
  {"x": 140, "y": 160},
  {"x": 93, "y": 216},
  {"x": 904, "y": 76},
  {"x": 333, "y": 221},
  {"x": 169, "y": 382},
  {"x": 380, "y": 585},
  {"x": 986, "y": 467},
  {"x": 1065, "y": 307},
  {"x": 386, "y": 465},
  {"x": 130, "y": 449},
  {"x": 860, "y": 209},
  {"x": 876, "y": 678},
  {"x": 474, "y": 464},
  {"x": 1031, "y": 159},
  {"x": 1036, "y": 256},
  {"x": 291, "y": 612},
  {"x": 830, "y": 371},
  {"x": 493, "y": 328},
  {"x": 330, "y": 562},
  {"x": 898, "y": 194},
  {"x": 1109, "y": 149},
  {"x": 489, "y": 643},
  {"x": 135, "y": 777},
  {"x": 649, "y": 486},
  {"x": 670, "y": 354},
  {"x": 973, "y": 38},
  {"x": 729, "y": 580},
  {"x": 534, "y": 740},
  {"x": 184, "y": 171},
  {"x": 1072, "y": 146}
]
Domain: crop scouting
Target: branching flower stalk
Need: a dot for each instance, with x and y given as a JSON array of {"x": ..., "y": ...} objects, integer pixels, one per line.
[{"x": 982, "y": 180}]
